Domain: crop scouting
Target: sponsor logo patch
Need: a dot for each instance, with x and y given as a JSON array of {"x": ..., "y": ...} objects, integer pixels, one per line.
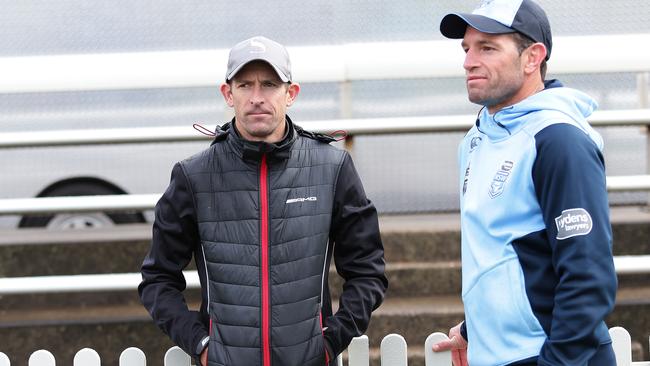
[
  {"x": 500, "y": 178},
  {"x": 573, "y": 222},
  {"x": 302, "y": 199}
]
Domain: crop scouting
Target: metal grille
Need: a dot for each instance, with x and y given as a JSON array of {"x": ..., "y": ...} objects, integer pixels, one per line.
[{"x": 407, "y": 173}]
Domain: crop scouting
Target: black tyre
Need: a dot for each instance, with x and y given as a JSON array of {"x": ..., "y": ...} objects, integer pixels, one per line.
[{"x": 80, "y": 220}]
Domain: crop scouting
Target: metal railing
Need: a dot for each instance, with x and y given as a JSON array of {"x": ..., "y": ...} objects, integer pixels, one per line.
[
  {"x": 629, "y": 264},
  {"x": 354, "y": 127},
  {"x": 141, "y": 202}
]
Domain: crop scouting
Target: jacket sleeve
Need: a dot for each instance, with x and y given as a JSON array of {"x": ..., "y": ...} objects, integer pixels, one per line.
[
  {"x": 359, "y": 259},
  {"x": 174, "y": 241},
  {"x": 569, "y": 179}
]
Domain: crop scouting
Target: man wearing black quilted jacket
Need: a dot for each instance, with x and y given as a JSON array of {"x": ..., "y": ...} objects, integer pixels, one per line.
[{"x": 263, "y": 211}]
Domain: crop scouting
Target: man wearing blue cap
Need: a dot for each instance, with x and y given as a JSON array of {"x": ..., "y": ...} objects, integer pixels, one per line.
[{"x": 538, "y": 273}]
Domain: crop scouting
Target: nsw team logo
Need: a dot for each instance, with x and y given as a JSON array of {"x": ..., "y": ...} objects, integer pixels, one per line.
[{"x": 500, "y": 178}]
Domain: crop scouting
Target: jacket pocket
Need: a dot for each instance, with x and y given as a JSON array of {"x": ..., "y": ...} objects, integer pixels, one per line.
[
  {"x": 217, "y": 354},
  {"x": 500, "y": 322}
]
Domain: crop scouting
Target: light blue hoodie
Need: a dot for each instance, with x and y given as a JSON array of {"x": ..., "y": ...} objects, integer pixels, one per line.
[{"x": 536, "y": 237}]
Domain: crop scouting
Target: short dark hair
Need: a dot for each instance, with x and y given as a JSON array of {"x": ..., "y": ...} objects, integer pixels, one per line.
[{"x": 523, "y": 42}]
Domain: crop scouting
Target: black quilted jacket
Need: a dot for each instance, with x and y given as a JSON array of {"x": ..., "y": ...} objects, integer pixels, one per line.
[{"x": 263, "y": 222}]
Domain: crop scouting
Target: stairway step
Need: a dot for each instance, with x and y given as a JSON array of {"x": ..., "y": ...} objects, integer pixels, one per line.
[
  {"x": 407, "y": 238},
  {"x": 41, "y": 252},
  {"x": 406, "y": 279},
  {"x": 421, "y": 238},
  {"x": 414, "y": 279}
]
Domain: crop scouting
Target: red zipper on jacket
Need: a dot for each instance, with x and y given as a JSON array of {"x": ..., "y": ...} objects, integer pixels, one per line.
[{"x": 264, "y": 247}]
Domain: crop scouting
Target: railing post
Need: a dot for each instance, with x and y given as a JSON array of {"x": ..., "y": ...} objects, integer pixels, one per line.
[
  {"x": 177, "y": 357},
  {"x": 622, "y": 344},
  {"x": 41, "y": 358},
  {"x": 87, "y": 357},
  {"x": 346, "y": 99},
  {"x": 359, "y": 351},
  {"x": 394, "y": 351},
  {"x": 436, "y": 358},
  {"x": 133, "y": 356},
  {"x": 346, "y": 111},
  {"x": 642, "y": 87}
]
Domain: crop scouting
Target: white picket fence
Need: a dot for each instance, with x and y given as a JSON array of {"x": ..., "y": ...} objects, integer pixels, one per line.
[{"x": 393, "y": 352}]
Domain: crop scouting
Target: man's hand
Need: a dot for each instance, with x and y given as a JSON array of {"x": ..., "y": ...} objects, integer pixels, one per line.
[
  {"x": 457, "y": 344},
  {"x": 204, "y": 357}
]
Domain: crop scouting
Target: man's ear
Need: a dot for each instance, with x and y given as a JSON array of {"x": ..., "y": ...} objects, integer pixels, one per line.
[
  {"x": 535, "y": 54},
  {"x": 226, "y": 91},
  {"x": 292, "y": 93}
]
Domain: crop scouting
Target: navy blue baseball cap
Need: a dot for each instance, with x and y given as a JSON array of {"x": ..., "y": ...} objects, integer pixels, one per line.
[{"x": 502, "y": 16}]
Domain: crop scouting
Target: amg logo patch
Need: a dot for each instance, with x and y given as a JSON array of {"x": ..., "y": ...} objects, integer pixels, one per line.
[
  {"x": 573, "y": 222},
  {"x": 500, "y": 178},
  {"x": 301, "y": 199}
]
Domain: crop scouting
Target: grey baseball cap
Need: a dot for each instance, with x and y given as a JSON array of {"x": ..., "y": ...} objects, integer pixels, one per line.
[
  {"x": 502, "y": 16},
  {"x": 263, "y": 49}
]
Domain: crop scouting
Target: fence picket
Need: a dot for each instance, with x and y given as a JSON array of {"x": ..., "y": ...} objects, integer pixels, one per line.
[
  {"x": 133, "y": 356},
  {"x": 87, "y": 357},
  {"x": 622, "y": 344},
  {"x": 436, "y": 358},
  {"x": 41, "y": 358},
  {"x": 4, "y": 360},
  {"x": 339, "y": 360},
  {"x": 177, "y": 357},
  {"x": 359, "y": 351},
  {"x": 393, "y": 351}
]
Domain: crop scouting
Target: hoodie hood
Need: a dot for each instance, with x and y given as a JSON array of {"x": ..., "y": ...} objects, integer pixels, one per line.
[{"x": 551, "y": 105}]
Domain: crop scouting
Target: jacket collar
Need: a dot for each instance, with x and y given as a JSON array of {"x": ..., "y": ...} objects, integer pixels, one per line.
[{"x": 253, "y": 150}]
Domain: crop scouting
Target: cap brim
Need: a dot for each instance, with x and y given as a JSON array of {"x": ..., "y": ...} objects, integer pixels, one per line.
[
  {"x": 454, "y": 25},
  {"x": 281, "y": 75}
]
